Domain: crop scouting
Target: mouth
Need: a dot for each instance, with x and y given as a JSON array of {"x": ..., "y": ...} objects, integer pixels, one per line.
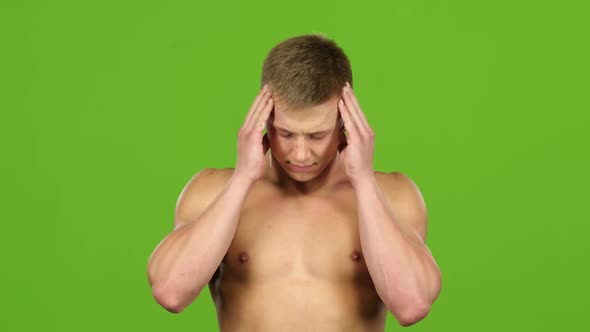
[{"x": 302, "y": 168}]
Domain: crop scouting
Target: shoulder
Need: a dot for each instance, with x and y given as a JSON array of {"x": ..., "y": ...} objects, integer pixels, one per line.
[
  {"x": 396, "y": 182},
  {"x": 405, "y": 200},
  {"x": 200, "y": 190},
  {"x": 208, "y": 180}
]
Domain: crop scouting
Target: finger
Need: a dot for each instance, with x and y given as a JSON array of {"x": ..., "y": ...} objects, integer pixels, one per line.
[
  {"x": 258, "y": 121},
  {"x": 353, "y": 112},
  {"x": 264, "y": 113},
  {"x": 349, "y": 124},
  {"x": 255, "y": 105},
  {"x": 260, "y": 101},
  {"x": 253, "y": 117},
  {"x": 257, "y": 100},
  {"x": 358, "y": 108}
]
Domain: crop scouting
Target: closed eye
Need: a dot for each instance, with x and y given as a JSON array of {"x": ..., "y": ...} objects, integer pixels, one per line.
[{"x": 312, "y": 136}]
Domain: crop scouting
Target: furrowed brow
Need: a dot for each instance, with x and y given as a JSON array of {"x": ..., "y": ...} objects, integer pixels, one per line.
[{"x": 314, "y": 133}]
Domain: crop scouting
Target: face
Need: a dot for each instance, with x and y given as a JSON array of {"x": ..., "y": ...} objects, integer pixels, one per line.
[{"x": 305, "y": 137}]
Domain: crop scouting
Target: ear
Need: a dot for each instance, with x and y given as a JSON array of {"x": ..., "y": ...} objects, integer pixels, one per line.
[
  {"x": 342, "y": 145},
  {"x": 342, "y": 139}
]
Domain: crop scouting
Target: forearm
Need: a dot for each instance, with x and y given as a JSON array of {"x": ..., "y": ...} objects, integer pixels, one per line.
[
  {"x": 400, "y": 265},
  {"x": 186, "y": 259}
]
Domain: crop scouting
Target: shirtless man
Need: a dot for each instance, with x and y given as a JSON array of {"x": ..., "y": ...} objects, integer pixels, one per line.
[{"x": 331, "y": 246}]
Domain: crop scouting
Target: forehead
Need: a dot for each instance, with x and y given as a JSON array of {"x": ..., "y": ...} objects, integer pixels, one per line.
[{"x": 311, "y": 119}]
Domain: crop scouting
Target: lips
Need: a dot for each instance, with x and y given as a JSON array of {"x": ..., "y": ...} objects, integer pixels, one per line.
[{"x": 298, "y": 168}]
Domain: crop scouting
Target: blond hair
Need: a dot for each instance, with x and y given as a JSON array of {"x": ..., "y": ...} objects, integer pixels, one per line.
[{"x": 306, "y": 70}]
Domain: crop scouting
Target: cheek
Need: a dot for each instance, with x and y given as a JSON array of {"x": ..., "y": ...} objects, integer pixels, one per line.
[{"x": 325, "y": 149}]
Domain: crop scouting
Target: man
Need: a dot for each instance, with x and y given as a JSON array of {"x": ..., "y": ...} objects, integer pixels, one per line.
[{"x": 310, "y": 238}]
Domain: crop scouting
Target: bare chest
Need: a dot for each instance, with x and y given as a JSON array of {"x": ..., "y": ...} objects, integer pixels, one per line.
[
  {"x": 298, "y": 239},
  {"x": 303, "y": 254}
]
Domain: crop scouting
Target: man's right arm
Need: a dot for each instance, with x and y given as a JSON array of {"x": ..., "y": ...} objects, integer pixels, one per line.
[{"x": 204, "y": 226}]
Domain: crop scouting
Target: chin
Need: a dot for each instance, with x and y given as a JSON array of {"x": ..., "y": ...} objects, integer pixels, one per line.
[{"x": 302, "y": 177}]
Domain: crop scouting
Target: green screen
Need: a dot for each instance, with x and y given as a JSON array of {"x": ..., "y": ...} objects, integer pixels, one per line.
[{"x": 109, "y": 107}]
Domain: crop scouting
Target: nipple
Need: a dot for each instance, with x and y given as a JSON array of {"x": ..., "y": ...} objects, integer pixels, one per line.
[
  {"x": 243, "y": 257},
  {"x": 356, "y": 255}
]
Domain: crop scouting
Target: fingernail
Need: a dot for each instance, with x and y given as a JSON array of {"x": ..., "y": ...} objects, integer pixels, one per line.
[
  {"x": 265, "y": 87},
  {"x": 348, "y": 84}
]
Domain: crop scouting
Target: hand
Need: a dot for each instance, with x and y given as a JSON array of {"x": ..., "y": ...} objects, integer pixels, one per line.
[
  {"x": 252, "y": 145},
  {"x": 357, "y": 152}
]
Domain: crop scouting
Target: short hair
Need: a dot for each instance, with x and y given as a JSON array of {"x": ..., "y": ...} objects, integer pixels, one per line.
[{"x": 306, "y": 70}]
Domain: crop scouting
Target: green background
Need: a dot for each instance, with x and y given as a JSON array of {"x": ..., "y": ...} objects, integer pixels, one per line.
[{"x": 109, "y": 107}]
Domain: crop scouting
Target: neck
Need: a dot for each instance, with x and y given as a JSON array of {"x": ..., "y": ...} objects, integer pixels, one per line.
[{"x": 333, "y": 174}]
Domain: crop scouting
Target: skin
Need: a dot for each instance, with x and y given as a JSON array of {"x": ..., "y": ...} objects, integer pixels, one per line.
[
  {"x": 304, "y": 256},
  {"x": 311, "y": 136}
]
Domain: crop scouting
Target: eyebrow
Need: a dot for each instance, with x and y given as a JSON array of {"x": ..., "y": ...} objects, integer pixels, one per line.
[{"x": 317, "y": 132}]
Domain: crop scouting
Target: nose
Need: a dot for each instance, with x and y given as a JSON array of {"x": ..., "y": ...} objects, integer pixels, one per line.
[{"x": 301, "y": 152}]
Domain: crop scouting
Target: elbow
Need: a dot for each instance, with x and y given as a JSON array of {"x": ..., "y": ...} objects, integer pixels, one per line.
[
  {"x": 172, "y": 307},
  {"x": 171, "y": 303},
  {"x": 413, "y": 315},
  {"x": 418, "y": 312},
  {"x": 163, "y": 298}
]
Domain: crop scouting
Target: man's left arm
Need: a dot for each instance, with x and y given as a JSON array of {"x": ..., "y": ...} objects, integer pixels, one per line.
[
  {"x": 392, "y": 230},
  {"x": 392, "y": 234}
]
